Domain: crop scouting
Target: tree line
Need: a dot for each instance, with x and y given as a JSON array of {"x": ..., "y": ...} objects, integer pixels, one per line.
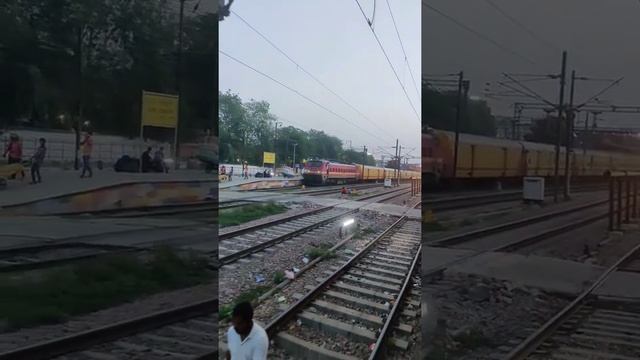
[
  {"x": 439, "y": 112},
  {"x": 65, "y": 59},
  {"x": 248, "y": 128}
]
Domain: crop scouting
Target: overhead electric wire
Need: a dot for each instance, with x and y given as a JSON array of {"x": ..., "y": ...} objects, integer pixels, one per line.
[
  {"x": 521, "y": 25},
  {"x": 478, "y": 34},
  {"x": 600, "y": 92},
  {"x": 389, "y": 61},
  {"x": 298, "y": 93},
  {"x": 307, "y": 72},
  {"x": 526, "y": 88},
  {"x": 406, "y": 58}
]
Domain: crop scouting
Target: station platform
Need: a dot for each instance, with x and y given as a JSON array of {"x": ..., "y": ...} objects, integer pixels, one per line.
[
  {"x": 549, "y": 274},
  {"x": 64, "y": 191},
  {"x": 621, "y": 285},
  {"x": 239, "y": 184}
]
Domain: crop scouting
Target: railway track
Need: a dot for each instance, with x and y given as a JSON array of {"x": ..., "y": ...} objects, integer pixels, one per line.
[
  {"x": 186, "y": 332},
  {"x": 589, "y": 327},
  {"x": 255, "y": 239},
  {"x": 65, "y": 252},
  {"x": 235, "y": 245},
  {"x": 573, "y": 215},
  {"x": 325, "y": 189},
  {"x": 458, "y": 202},
  {"x": 569, "y": 325},
  {"x": 361, "y": 306},
  {"x": 503, "y": 237}
]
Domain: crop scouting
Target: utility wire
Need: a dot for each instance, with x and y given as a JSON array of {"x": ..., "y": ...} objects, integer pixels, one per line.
[
  {"x": 526, "y": 88},
  {"x": 600, "y": 92},
  {"x": 389, "y": 61},
  {"x": 383, "y": 131},
  {"x": 298, "y": 93},
  {"x": 406, "y": 58},
  {"x": 478, "y": 34},
  {"x": 521, "y": 25}
]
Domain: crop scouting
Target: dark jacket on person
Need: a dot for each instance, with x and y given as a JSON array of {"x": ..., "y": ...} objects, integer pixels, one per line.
[{"x": 146, "y": 161}]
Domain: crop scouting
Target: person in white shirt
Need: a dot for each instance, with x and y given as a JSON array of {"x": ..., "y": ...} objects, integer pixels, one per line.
[{"x": 246, "y": 339}]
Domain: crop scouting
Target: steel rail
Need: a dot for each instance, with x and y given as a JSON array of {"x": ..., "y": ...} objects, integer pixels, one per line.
[
  {"x": 86, "y": 339},
  {"x": 275, "y": 325},
  {"x": 537, "y": 338}
]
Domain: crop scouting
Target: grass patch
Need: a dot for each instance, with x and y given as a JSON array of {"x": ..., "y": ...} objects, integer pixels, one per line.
[
  {"x": 278, "y": 277},
  {"x": 56, "y": 294},
  {"x": 249, "y": 295},
  {"x": 320, "y": 251},
  {"x": 243, "y": 214}
]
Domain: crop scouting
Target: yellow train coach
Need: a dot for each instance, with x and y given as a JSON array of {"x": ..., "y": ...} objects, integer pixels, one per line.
[
  {"x": 481, "y": 157},
  {"x": 373, "y": 173}
]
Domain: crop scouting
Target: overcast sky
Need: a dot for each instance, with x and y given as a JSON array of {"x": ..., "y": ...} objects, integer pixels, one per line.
[
  {"x": 332, "y": 41},
  {"x": 601, "y": 37}
]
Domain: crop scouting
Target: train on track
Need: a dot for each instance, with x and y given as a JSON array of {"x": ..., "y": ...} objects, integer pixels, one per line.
[
  {"x": 323, "y": 172},
  {"x": 487, "y": 158}
]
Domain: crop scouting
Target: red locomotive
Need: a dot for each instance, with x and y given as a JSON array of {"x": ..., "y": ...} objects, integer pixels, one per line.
[{"x": 326, "y": 172}]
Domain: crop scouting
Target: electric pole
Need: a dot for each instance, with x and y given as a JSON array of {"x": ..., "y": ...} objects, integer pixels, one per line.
[
  {"x": 275, "y": 139},
  {"x": 395, "y": 158},
  {"x": 399, "y": 157},
  {"x": 293, "y": 163},
  {"x": 457, "y": 124},
  {"x": 569, "y": 141},
  {"x": 364, "y": 157},
  {"x": 563, "y": 75},
  {"x": 78, "y": 121},
  {"x": 179, "y": 80}
]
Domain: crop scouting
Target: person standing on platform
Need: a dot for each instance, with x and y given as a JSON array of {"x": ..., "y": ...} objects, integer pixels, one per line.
[
  {"x": 231, "y": 173},
  {"x": 14, "y": 150},
  {"x": 87, "y": 149},
  {"x": 158, "y": 158},
  {"x": 246, "y": 339},
  {"x": 246, "y": 170},
  {"x": 36, "y": 162},
  {"x": 146, "y": 160}
]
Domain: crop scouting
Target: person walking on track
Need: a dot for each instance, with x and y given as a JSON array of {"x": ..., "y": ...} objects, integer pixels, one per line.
[
  {"x": 36, "y": 161},
  {"x": 87, "y": 149},
  {"x": 246, "y": 339}
]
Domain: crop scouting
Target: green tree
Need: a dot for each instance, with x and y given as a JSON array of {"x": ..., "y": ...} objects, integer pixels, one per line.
[
  {"x": 56, "y": 54},
  {"x": 545, "y": 131},
  {"x": 439, "y": 111},
  {"x": 247, "y": 129}
]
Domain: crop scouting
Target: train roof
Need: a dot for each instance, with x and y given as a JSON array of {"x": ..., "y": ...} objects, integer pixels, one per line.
[{"x": 487, "y": 140}]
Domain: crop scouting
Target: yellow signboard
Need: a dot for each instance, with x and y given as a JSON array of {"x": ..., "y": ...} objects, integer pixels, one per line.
[
  {"x": 159, "y": 110},
  {"x": 269, "y": 158}
]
